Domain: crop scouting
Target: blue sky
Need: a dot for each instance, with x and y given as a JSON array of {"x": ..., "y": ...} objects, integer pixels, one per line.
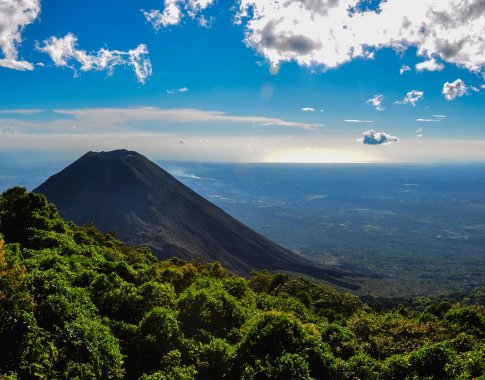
[{"x": 248, "y": 80}]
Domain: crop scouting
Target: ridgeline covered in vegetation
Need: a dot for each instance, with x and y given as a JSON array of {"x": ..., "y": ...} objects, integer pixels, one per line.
[{"x": 76, "y": 303}]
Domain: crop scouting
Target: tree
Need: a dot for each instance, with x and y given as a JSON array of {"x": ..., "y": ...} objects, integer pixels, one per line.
[
  {"x": 431, "y": 360},
  {"x": 23, "y": 213}
]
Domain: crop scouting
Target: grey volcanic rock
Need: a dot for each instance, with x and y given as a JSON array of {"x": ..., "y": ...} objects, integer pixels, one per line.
[{"x": 124, "y": 192}]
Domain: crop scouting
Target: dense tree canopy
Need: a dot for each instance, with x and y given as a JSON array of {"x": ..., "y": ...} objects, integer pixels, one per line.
[{"x": 76, "y": 303}]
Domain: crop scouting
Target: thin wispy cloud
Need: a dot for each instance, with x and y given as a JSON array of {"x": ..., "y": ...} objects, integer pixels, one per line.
[
  {"x": 308, "y": 109},
  {"x": 205, "y": 22},
  {"x": 403, "y": 69},
  {"x": 181, "y": 90},
  {"x": 358, "y": 121},
  {"x": 412, "y": 97},
  {"x": 8, "y": 131},
  {"x": 21, "y": 111},
  {"x": 433, "y": 119},
  {"x": 115, "y": 120},
  {"x": 376, "y": 101}
]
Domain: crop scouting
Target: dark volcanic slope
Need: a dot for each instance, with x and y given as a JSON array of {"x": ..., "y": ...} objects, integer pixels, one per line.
[{"x": 123, "y": 191}]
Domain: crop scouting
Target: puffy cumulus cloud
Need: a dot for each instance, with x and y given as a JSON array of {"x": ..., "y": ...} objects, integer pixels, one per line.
[
  {"x": 171, "y": 15},
  {"x": 458, "y": 88},
  {"x": 372, "y": 137},
  {"x": 63, "y": 51},
  {"x": 429, "y": 65},
  {"x": 174, "y": 11},
  {"x": 15, "y": 15},
  {"x": 376, "y": 101},
  {"x": 333, "y": 32},
  {"x": 412, "y": 97}
]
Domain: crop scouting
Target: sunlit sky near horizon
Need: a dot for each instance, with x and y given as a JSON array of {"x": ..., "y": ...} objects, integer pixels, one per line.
[{"x": 246, "y": 80}]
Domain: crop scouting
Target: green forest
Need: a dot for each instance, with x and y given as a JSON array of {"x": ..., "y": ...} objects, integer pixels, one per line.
[{"x": 78, "y": 304}]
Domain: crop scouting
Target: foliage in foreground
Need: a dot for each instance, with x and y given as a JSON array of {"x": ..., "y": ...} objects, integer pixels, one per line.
[{"x": 75, "y": 303}]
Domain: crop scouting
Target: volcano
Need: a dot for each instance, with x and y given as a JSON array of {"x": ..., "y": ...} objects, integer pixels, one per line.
[{"x": 124, "y": 192}]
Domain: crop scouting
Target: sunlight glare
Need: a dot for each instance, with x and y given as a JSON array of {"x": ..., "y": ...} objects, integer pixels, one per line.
[{"x": 318, "y": 155}]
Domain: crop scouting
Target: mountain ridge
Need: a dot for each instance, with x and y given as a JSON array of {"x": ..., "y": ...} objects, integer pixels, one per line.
[{"x": 124, "y": 192}]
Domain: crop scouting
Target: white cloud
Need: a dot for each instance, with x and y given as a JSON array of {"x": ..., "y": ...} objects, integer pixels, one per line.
[
  {"x": 205, "y": 22},
  {"x": 63, "y": 51},
  {"x": 458, "y": 88},
  {"x": 372, "y": 137},
  {"x": 308, "y": 109},
  {"x": 333, "y": 32},
  {"x": 435, "y": 118},
  {"x": 16, "y": 65},
  {"x": 358, "y": 121},
  {"x": 419, "y": 133},
  {"x": 403, "y": 69},
  {"x": 178, "y": 90},
  {"x": 429, "y": 65},
  {"x": 133, "y": 116},
  {"x": 15, "y": 15},
  {"x": 139, "y": 60},
  {"x": 412, "y": 97},
  {"x": 171, "y": 15},
  {"x": 376, "y": 101},
  {"x": 8, "y": 131},
  {"x": 175, "y": 10},
  {"x": 31, "y": 111}
]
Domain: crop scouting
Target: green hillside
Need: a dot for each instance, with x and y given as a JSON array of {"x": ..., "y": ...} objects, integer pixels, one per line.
[{"x": 76, "y": 303}]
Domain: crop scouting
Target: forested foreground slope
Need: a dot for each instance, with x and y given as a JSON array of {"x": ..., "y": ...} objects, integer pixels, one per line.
[{"x": 76, "y": 303}]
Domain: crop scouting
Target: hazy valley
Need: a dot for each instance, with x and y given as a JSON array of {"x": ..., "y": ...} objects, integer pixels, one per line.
[{"x": 421, "y": 228}]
